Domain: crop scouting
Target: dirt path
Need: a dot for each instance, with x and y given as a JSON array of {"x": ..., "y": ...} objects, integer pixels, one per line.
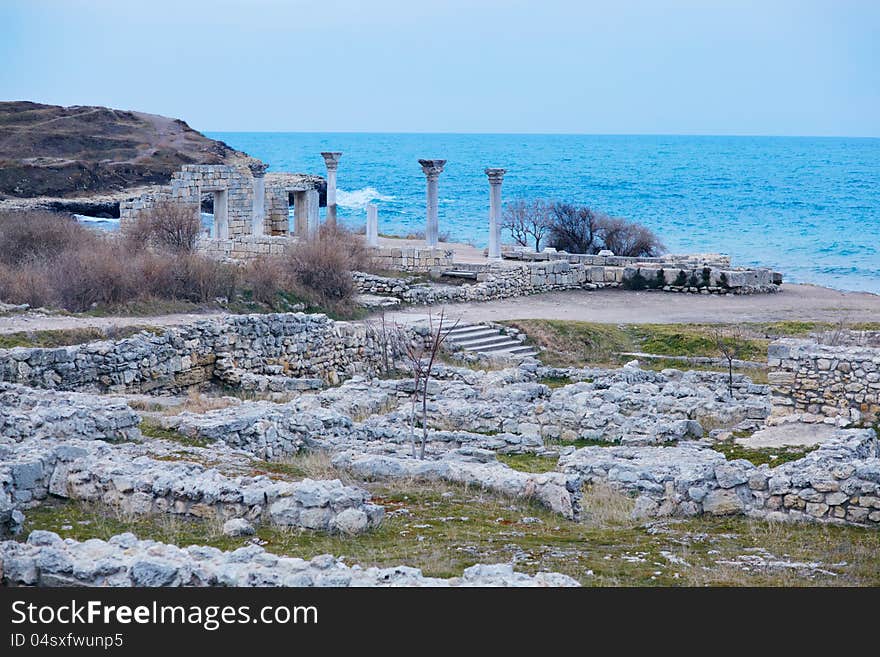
[
  {"x": 794, "y": 302},
  {"x": 18, "y": 322}
]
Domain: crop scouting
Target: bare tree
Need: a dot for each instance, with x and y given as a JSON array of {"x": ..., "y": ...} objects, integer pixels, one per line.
[
  {"x": 421, "y": 359},
  {"x": 730, "y": 345},
  {"x": 527, "y": 221},
  {"x": 573, "y": 228}
]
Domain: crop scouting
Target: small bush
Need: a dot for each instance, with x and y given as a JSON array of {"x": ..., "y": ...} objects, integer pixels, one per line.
[
  {"x": 626, "y": 238},
  {"x": 173, "y": 227},
  {"x": 319, "y": 270},
  {"x": 264, "y": 278},
  {"x": 573, "y": 228},
  {"x": 32, "y": 236}
]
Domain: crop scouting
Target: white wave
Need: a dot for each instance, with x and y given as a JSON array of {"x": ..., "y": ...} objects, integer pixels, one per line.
[
  {"x": 360, "y": 198},
  {"x": 95, "y": 220}
]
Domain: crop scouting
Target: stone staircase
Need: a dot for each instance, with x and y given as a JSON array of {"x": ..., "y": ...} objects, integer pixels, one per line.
[{"x": 487, "y": 340}]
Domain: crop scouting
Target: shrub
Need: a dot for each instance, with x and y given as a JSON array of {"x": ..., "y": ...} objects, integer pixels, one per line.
[
  {"x": 26, "y": 282},
  {"x": 626, "y": 238},
  {"x": 319, "y": 270},
  {"x": 572, "y": 228},
  {"x": 264, "y": 278},
  {"x": 31, "y": 236},
  {"x": 168, "y": 226},
  {"x": 100, "y": 275}
]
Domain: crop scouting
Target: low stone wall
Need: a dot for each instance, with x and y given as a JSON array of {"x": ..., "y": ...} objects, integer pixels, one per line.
[
  {"x": 838, "y": 483},
  {"x": 47, "y": 560},
  {"x": 293, "y": 344},
  {"x": 827, "y": 383},
  {"x": 412, "y": 258},
  {"x": 505, "y": 281},
  {"x": 125, "y": 478},
  {"x": 243, "y": 248}
]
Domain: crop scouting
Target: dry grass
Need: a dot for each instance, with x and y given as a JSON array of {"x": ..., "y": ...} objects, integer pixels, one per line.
[
  {"x": 64, "y": 265},
  {"x": 602, "y": 505}
]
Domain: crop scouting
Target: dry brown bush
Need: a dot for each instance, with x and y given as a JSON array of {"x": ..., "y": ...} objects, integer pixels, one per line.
[
  {"x": 627, "y": 238},
  {"x": 71, "y": 267},
  {"x": 167, "y": 226},
  {"x": 319, "y": 270},
  {"x": 265, "y": 278},
  {"x": 31, "y": 236}
]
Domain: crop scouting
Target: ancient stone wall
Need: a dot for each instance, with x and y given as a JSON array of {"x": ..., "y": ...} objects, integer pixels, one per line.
[
  {"x": 838, "y": 483},
  {"x": 503, "y": 281},
  {"x": 823, "y": 382},
  {"x": 294, "y": 345},
  {"x": 243, "y": 248},
  {"x": 412, "y": 258}
]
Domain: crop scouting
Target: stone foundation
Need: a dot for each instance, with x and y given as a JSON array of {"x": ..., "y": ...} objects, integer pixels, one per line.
[
  {"x": 827, "y": 383},
  {"x": 294, "y": 344},
  {"x": 47, "y": 560}
]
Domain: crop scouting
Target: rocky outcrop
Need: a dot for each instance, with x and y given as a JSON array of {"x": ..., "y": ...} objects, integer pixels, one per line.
[
  {"x": 53, "y": 151},
  {"x": 47, "y": 560}
]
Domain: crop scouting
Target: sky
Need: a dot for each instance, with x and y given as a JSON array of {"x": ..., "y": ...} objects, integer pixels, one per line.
[{"x": 720, "y": 67}]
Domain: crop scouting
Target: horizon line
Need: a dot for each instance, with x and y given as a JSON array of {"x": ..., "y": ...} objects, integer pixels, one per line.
[{"x": 543, "y": 134}]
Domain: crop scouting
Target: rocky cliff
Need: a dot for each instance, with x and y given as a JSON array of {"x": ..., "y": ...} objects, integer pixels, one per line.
[{"x": 53, "y": 151}]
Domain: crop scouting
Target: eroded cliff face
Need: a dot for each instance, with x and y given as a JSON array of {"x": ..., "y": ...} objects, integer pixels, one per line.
[{"x": 48, "y": 150}]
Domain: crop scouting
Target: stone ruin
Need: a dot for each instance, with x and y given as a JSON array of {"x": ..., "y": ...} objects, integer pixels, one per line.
[{"x": 62, "y": 436}]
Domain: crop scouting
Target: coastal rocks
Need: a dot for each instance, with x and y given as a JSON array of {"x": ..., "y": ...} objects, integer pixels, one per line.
[{"x": 47, "y": 560}]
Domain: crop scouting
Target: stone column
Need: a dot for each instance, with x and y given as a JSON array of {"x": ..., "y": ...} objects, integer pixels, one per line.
[
  {"x": 258, "y": 211},
  {"x": 312, "y": 219},
  {"x": 372, "y": 225},
  {"x": 432, "y": 170},
  {"x": 332, "y": 162},
  {"x": 221, "y": 215},
  {"x": 495, "y": 178}
]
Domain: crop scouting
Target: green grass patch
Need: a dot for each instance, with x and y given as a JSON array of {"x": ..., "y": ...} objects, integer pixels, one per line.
[
  {"x": 529, "y": 462},
  {"x": 574, "y": 344},
  {"x": 67, "y": 337},
  {"x": 759, "y": 456},
  {"x": 444, "y": 529},
  {"x": 580, "y": 442},
  {"x": 556, "y": 381},
  {"x": 153, "y": 430}
]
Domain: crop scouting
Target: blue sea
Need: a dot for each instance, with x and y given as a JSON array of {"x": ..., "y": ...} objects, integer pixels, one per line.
[{"x": 809, "y": 207}]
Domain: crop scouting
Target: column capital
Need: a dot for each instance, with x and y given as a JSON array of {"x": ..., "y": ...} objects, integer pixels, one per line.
[
  {"x": 331, "y": 159},
  {"x": 258, "y": 169},
  {"x": 432, "y": 168},
  {"x": 495, "y": 175}
]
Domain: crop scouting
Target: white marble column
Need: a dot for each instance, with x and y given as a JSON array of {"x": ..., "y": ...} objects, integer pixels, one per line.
[
  {"x": 372, "y": 225},
  {"x": 312, "y": 220},
  {"x": 332, "y": 162},
  {"x": 221, "y": 215},
  {"x": 432, "y": 170},
  {"x": 495, "y": 178},
  {"x": 258, "y": 212}
]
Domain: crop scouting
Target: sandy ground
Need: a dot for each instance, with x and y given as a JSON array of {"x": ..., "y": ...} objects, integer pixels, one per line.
[{"x": 794, "y": 302}]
